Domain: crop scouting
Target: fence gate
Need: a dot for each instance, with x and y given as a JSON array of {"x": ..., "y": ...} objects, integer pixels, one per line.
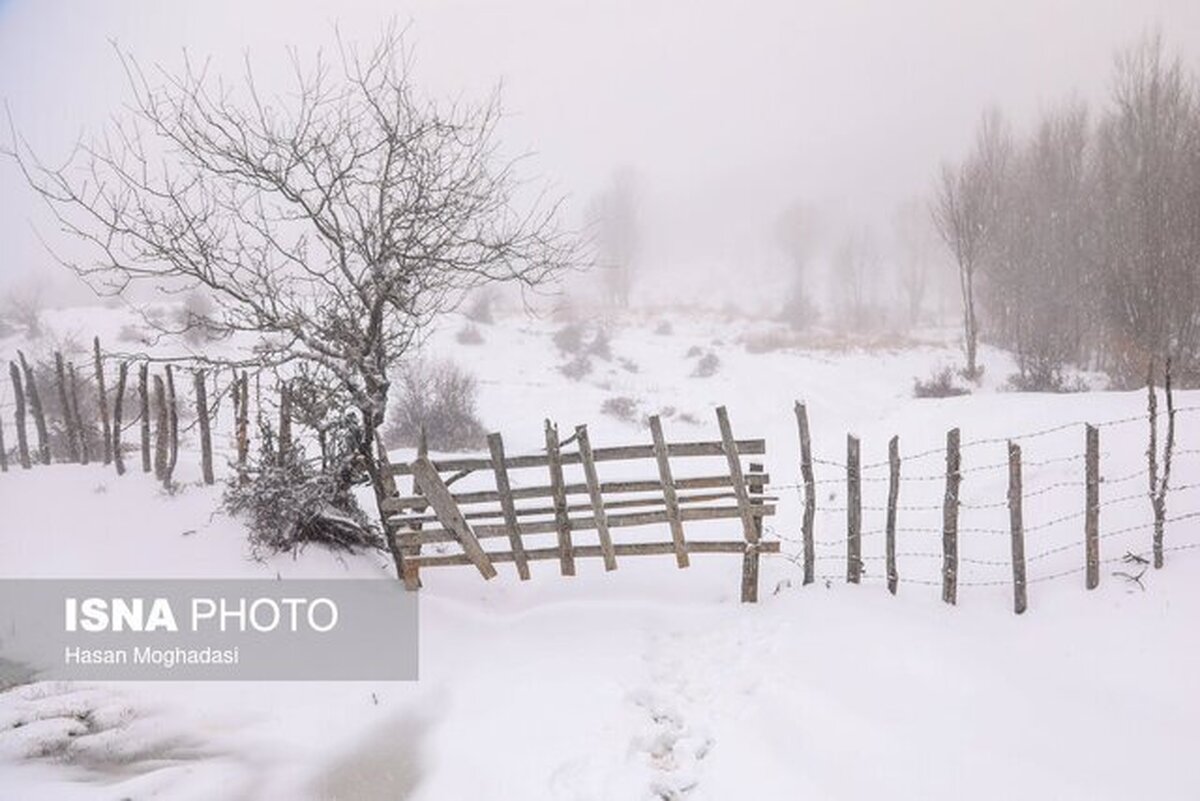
[{"x": 554, "y": 505}]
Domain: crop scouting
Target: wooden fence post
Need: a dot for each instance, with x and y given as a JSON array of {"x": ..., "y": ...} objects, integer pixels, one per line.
[
  {"x": 670, "y": 497},
  {"x": 3, "y": 449},
  {"x": 173, "y": 419},
  {"x": 64, "y": 402},
  {"x": 750, "y": 521},
  {"x": 810, "y": 493},
  {"x": 102, "y": 397},
  {"x": 144, "y": 420},
  {"x": 853, "y": 511},
  {"x": 162, "y": 433},
  {"x": 1092, "y": 507},
  {"x": 893, "y": 577},
  {"x": 507, "y": 507},
  {"x": 118, "y": 409},
  {"x": 950, "y": 518},
  {"x": 755, "y": 490},
  {"x": 1016, "y": 526},
  {"x": 206, "y": 455},
  {"x": 562, "y": 523},
  {"x": 85, "y": 449},
  {"x": 22, "y": 433},
  {"x": 596, "y": 497},
  {"x": 35, "y": 406},
  {"x": 440, "y": 498}
]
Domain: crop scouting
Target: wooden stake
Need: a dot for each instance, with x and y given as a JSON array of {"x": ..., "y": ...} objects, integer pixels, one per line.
[
  {"x": 35, "y": 406},
  {"x": 1016, "y": 527},
  {"x": 118, "y": 408},
  {"x": 162, "y": 434},
  {"x": 144, "y": 412},
  {"x": 206, "y": 455},
  {"x": 750, "y": 520},
  {"x": 3, "y": 449},
  {"x": 853, "y": 511},
  {"x": 810, "y": 493},
  {"x": 173, "y": 419},
  {"x": 64, "y": 402},
  {"x": 85, "y": 448},
  {"x": 893, "y": 577},
  {"x": 14, "y": 372},
  {"x": 950, "y": 518},
  {"x": 102, "y": 397},
  {"x": 670, "y": 497},
  {"x": 593, "y": 485},
  {"x": 509, "y": 509},
  {"x": 562, "y": 522},
  {"x": 750, "y": 559},
  {"x": 433, "y": 488},
  {"x": 1092, "y": 508}
]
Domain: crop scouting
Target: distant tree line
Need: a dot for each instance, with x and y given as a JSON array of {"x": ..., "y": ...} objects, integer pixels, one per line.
[{"x": 1079, "y": 243}]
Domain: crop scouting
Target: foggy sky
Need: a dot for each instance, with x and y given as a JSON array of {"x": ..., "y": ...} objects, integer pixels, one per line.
[{"x": 727, "y": 111}]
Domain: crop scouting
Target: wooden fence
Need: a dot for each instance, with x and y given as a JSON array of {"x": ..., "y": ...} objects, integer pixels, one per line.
[{"x": 456, "y": 525}]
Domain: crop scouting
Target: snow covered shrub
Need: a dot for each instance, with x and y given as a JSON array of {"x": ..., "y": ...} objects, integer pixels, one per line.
[
  {"x": 469, "y": 335},
  {"x": 577, "y": 368},
  {"x": 569, "y": 338},
  {"x": 622, "y": 408},
  {"x": 479, "y": 307},
  {"x": 194, "y": 318},
  {"x": 601, "y": 346},
  {"x": 707, "y": 366},
  {"x": 694, "y": 351},
  {"x": 439, "y": 397},
  {"x": 941, "y": 384},
  {"x": 288, "y": 502}
]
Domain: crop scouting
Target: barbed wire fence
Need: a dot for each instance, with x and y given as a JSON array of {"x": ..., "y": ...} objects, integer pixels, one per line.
[{"x": 974, "y": 555}]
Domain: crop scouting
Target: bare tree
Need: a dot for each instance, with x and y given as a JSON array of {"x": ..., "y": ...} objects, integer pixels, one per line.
[
  {"x": 797, "y": 232},
  {"x": 613, "y": 219},
  {"x": 915, "y": 239},
  {"x": 855, "y": 279},
  {"x": 964, "y": 211},
  {"x": 332, "y": 222}
]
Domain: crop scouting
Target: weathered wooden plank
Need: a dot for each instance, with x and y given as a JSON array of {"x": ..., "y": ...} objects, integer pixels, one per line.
[
  {"x": 205, "y": 427},
  {"x": 593, "y": 484},
  {"x": 893, "y": 577},
  {"x": 508, "y": 509},
  {"x": 118, "y": 411},
  {"x": 853, "y": 511},
  {"x": 439, "y": 498},
  {"x": 810, "y": 494},
  {"x": 102, "y": 397},
  {"x": 686, "y": 515},
  {"x": 950, "y": 518},
  {"x": 1016, "y": 526},
  {"x": 748, "y": 447},
  {"x": 541, "y": 511},
  {"x": 670, "y": 496},
  {"x": 399, "y": 504},
  {"x": 1091, "y": 526},
  {"x": 750, "y": 558},
  {"x": 19, "y": 397},
  {"x": 733, "y": 459},
  {"x": 34, "y": 396},
  {"x": 144, "y": 413},
  {"x": 562, "y": 523},
  {"x": 593, "y": 551}
]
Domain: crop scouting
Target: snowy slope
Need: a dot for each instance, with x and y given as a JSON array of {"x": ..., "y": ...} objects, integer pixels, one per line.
[{"x": 655, "y": 683}]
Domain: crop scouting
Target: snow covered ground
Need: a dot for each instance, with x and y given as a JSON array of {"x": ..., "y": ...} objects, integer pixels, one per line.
[{"x": 652, "y": 682}]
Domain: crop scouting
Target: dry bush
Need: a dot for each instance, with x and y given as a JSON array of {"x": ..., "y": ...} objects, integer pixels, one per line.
[
  {"x": 707, "y": 366},
  {"x": 622, "y": 408},
  {"x": 694, "y": 352},
  {"x": 940, "y": 384},
  {"x": 441, "y": 398},
  {"x": 480, "y": 308},
  {"x": 469, "y": 335},
  {"x": 577, "y": 368},
  {"x": 601, "y": 346},
  {"x": 569, "y": 338}
]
